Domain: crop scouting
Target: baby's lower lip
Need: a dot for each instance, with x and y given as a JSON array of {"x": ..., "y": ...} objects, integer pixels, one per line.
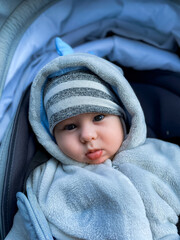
[{"x": 94, "y": 155}]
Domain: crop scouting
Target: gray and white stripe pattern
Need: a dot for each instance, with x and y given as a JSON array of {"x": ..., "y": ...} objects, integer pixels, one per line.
[{"x": 75, "y": 93}]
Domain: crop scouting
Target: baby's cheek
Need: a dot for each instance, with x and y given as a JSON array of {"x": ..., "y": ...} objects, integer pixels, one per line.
[
  {"x": 64, "y": 145},
  {"x": 72, "y": 149},
  {"x": 116, "y": 139}
]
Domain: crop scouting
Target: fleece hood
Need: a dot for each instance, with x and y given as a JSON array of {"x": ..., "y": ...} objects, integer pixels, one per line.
[{"x": 109, "y": 73}]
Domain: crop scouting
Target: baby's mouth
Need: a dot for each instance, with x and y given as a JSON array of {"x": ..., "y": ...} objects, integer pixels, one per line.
[{"x": 94, "y": 154}]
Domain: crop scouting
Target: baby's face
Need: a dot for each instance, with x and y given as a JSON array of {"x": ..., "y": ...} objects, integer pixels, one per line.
[{"x": 90, "y": 138}]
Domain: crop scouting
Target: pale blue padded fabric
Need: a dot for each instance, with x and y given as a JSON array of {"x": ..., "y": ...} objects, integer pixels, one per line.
[{"x": 145, "y": 39}]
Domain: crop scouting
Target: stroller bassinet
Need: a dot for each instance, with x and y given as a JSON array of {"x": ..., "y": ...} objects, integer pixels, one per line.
[{"x": 141, "y": 37}]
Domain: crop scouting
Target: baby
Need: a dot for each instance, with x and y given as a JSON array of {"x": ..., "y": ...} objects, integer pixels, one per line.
[
  {"x": 103, "y": 181},
  {"x": 84, "y": 116}
]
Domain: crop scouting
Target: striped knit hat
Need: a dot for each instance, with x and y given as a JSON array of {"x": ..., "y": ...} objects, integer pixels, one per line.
[{"x": 77, "y": 92}]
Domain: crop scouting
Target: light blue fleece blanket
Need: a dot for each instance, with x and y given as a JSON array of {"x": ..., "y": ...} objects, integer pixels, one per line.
[
  {"x": 134, "y": 197},
  {"x": 140, "y": 199}
]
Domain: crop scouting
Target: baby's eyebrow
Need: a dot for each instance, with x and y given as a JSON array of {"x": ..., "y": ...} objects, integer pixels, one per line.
[{"x": 69, "y": 123}]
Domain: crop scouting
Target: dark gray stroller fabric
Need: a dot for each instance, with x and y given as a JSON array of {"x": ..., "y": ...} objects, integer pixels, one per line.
[
  {"x": 159, "y": 94},
  {"x": 26, "y": 149}
]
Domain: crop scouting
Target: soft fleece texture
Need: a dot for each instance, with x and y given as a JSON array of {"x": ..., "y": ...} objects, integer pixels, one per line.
[{"x": 136, "y": 196}]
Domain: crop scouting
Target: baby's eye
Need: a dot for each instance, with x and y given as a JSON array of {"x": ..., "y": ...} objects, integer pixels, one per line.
[
  {"x": 99, "y": 117},
  {"x": 70, "y": 127}
]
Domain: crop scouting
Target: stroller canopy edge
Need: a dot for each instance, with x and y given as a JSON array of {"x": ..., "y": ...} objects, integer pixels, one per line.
[{"x": 13, "y": 29}]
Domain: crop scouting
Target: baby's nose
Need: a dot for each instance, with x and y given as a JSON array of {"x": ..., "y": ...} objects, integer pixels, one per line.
[{"x": 88, "y": 134}]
